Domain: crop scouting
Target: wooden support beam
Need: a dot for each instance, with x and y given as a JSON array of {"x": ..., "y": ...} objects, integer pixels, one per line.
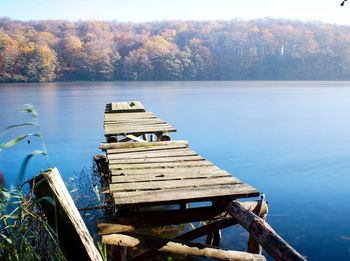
[
  {"x": 73, "y": 235},
  {"x": 177, "y": 247},
  {"x": 149, "y": 219},
  {"x": 263, "y": 233},
  {"x": 221, "y": 221}
]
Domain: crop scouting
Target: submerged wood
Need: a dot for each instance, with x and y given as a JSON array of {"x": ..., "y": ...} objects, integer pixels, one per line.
[
  {"x": 178, "y": 247},
  {"x": 263, "y": 233},
  {"x": 73, "y": 235}
]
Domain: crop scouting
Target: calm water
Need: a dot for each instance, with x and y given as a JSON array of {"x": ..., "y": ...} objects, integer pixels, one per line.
[{"x": 290, "y": 140}]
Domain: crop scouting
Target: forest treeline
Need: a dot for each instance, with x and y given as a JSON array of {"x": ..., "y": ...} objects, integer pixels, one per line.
[{"x": 266, "y": 49}]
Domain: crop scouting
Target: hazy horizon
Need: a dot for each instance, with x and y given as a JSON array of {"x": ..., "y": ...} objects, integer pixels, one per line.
[{"x": 139, "y": 11}]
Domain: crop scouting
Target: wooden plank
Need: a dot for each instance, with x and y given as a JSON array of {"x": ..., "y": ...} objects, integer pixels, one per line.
[
  {"x": 178, "y": 247},
  {"x": 122, "y": 145},
  {"x": 167, "y": 176},
  {"x": 134, "y": 120},
  {"x": 142, "y": 115},
  {"x": 109, "y": 125},
  {"x": 163, "y": 165},
  {"x": 139, "y": 129},
  {"x": 169, "y": 184},
  {"x": 74, "y": 237},
  {"x": 173, "y": 196},
  {"x": 194, "y": 169},
  {"x": 160, "y": 160},
  {"x": 152, "y": 153},
  {"x": 146, "y": 149}
]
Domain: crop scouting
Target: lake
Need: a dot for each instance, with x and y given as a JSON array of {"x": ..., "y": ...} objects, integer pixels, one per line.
[{"x": 290, "y": 140}]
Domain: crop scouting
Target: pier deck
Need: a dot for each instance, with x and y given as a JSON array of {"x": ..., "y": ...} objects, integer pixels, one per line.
[
  {"x": 155, "y": 173},
  {"x": 142, "y": 167}
]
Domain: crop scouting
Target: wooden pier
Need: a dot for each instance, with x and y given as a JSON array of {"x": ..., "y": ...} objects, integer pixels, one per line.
[{"x": 143, "y": 168}]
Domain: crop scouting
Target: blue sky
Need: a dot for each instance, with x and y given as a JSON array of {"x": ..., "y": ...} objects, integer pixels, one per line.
[{"x": 149, "y": 10}]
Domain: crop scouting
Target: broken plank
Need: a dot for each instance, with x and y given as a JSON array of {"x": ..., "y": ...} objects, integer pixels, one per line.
[{"x": 74, "y": 237}]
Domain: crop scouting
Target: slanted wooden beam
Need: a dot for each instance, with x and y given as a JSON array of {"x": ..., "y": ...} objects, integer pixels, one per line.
[
  {"x": 263, "y": 233},
  {"x": 133, "y": 137},
  {"x": 178, "y": 247},
  {"x": 73, "y": 235}
]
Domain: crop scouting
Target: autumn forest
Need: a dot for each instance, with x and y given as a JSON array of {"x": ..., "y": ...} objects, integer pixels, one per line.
[{"x": 265, "y": 49}]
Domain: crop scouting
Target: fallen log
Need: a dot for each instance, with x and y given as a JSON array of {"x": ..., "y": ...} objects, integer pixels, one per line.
[
  {"x": 178, "y": 247},
  {"x": 73, "y": 235},
  {"x": 263, "y": 233}
]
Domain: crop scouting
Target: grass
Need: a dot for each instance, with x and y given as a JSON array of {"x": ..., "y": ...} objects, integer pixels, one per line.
[{"x": 24, "y": 230}]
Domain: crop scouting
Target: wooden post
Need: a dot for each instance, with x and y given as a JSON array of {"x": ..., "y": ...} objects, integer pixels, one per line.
[
  {"x": 263, "y": 233},
  {"x": 178, "y": 247},
  {"x": 73, "y": 235}
]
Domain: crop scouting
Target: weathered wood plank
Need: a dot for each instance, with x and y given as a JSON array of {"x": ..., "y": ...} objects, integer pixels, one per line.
[
  {"x": 141, "y": 129},
  {"x": 169, "y": 184},
  {"x": 153, "y": 154},
  {"x": 163, "y": 165},
  {"x": 74, "y": 237},
  {"x": 178, "y": 247},
  {"x": 156, "y": 160},
  {"x": 123, "y": 145},
  {"x": 130, "y": 106},
  {"x": 180, "y": 170},
  {"x": 140, "y": 115},
  {"x": 167, "y": 176},
  {"x": 173, "y": 196},
  {"x": 147, "y": 149},
  {"x": 135, "y": 125},
  {"x": 134, "y": 121}
]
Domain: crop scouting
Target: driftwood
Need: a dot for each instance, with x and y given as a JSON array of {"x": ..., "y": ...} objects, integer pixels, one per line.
[
  {"x": 73, "y": 236},
  {"x": 263, "y": 233},
  {"x": 177, "y": 247}
]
